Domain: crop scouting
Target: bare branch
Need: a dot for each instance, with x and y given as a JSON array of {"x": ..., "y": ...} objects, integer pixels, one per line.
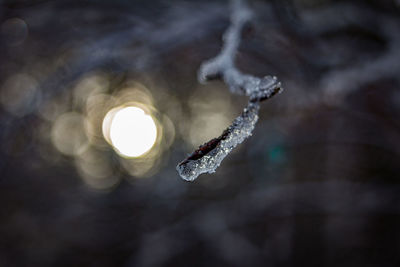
[{"x": 210, "y": 155}]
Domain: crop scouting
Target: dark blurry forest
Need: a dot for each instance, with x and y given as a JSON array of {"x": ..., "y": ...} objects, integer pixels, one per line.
[{"x": 318, "y": 183}]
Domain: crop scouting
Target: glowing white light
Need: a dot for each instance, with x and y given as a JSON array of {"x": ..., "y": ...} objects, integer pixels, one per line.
[{"x": 132, "y": 132}]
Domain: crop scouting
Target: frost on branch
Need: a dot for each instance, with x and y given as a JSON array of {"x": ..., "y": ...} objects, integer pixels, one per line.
[{"x": 210, "y": 155}]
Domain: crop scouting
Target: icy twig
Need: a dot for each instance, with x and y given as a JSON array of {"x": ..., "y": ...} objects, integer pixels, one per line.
[{"x": 210, "y": 155}]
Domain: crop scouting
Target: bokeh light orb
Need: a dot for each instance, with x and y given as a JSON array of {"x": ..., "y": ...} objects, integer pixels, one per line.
[
  {"x": 20, "y": 94},
  {"x": 130, "y": 131},
  {"x": 68, "y": 135},
  {"x": 14, "y": 31}
]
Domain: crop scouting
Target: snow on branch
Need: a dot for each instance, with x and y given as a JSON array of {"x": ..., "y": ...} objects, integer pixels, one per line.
[{"x": 210, "y": 155}]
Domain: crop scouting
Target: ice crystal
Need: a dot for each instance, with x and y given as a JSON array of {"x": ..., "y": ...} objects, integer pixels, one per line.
[{"x": 210, "y": 155}]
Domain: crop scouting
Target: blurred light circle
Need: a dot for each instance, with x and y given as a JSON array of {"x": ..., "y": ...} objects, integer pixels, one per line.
[
  {"x": 130, "y": 130},
  {"x": 14, "y": 31},
  {"x": 135, "y": 92},
  {"x": 141, "y": 167},
  {"x": 51, "y": 110},
  {"x": 91, "y": 85},
  {"x": 68, "y": 135},
  {"x": 168, "y": 131},
  {"x": 20, "y": 95},
  {"x": 97, "y": 107},
  {"x": 95, "y": 168}
]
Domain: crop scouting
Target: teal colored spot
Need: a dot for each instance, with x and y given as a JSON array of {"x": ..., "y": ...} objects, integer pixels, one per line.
[{"x": 276, "y": 154}]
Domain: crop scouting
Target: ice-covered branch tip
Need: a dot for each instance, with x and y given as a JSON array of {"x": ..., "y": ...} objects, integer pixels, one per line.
[
  {"x": 210, "y": 155},
  {"x": 223, "y": 67}
]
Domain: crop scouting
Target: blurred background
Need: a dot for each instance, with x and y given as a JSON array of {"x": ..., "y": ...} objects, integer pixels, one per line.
[{"x": 99, "y": 101}]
